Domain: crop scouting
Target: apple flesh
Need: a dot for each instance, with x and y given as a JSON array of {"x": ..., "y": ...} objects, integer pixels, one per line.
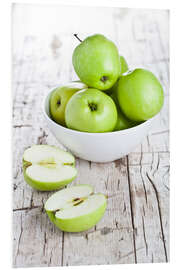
[
  {"x": 76, "y": 209},
  {"x": 91, "y": 110},
  {"x": 47, "y": 167},
  {"x": 96, "y": 62},
  {"x": 60, "y": 97},
  {"x": 140, "y": 94}
]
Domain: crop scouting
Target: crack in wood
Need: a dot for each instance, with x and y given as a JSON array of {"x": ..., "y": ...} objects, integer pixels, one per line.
[
  {"x": 42, "y": 138},
  {"x": 90, "y": 164},
  {"x": 21, "y": 126},
  {"x": 160, "y": 132},
  {"x": 86, "y": 236},
  {"x": 131, "y": 209},
  {"x": 166, "y": 173},
  {"x": 14, "y": 187},
  {"x": 130, "y": 253},
  {"x": 118, "y": 184},
  {"x": 124, "y": 208},
  {"x": 144, "y": 235},
  {"x": 16, "y": 175},
  {"x": 31, "y": 201},
  {"x": 160, "y": 216},
  {"x": 157, "y": 166},
  {"x": 152, "y": 259},
  {"x": 62, "y": 252},
  {"x": 107, "y": 230},
  {"x": 166, "y": 187},
  {"x": 145, "y": 193},
  {"x": 19, "y": 240},
  {"x": 106, "y": 185},
  {"x": 27, "y": 208},
  {"x": 44, "y": 246},
  {"x": 113, "y": 195},
  {"x": 50, "y": 259},
  {"x": 143, "y": 210},
  {"x": 120, "y": 162},
  {"x": 148, "y": 142}
]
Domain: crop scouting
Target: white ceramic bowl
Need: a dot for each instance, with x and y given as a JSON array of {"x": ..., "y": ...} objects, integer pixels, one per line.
[{"x": 97, "y": 147}]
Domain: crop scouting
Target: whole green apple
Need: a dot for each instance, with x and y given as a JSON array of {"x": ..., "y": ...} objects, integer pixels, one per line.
[
  {"x": 122, "y": 121},
  {"x": 91, "y": 110},
  {"x": 59, "y": 98},
  {"x": 96, "y": 62},
  {"x": 76, "y": 209},
  {"x": 123, "y": 64},
  {"x": 47, "y": 167},
  {"x": 140, "y": 94},
  {"x": 123, "y": 68}
]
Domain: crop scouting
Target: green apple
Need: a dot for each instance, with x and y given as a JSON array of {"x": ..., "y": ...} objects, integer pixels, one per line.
[
  {"x": 140, "y": 94},
  {"x": 122, "y": 121},
  {"x": 91, "y": 110},
  {"x": 47, "y": 167},
  {"x": 123, "y": 68},
  {"x": 76, "y": 209},
  {"x": 96, "y": 62},
  {"x": 60, "y": 97},
  {"x": 123, "y": 64}
]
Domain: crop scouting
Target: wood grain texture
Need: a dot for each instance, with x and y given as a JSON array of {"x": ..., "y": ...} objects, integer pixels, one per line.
[{"x": 135, "y": 227}]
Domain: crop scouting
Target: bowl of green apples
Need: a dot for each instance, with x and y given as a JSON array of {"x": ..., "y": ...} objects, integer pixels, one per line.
[{"x": 107, "y": 113}]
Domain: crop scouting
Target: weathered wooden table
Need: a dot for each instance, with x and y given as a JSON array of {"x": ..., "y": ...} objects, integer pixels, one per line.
[{"x": 135, "y": 227}]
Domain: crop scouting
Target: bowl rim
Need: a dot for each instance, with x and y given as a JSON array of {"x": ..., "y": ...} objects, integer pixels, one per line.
[{"x": 123, "y": 131}]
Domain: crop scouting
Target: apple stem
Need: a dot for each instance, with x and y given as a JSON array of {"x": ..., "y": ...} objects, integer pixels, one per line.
[{"x": 77, "y": 37}]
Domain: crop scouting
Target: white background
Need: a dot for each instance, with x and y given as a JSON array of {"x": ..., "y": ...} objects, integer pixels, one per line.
[{"x": 6, "y": 177}]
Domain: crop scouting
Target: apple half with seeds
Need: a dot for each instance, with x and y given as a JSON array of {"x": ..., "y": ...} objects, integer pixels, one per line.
[
  {"x": 47, "y": 167},
  {"x": 76, "y": 209}
]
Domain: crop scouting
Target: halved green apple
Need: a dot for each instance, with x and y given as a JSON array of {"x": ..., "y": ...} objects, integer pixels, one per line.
[
  {"x": 47, "y": 167},
  {"x": 76, "y": 209}
]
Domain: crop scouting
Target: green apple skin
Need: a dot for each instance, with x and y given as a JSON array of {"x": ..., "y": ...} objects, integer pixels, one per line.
[
  {"x": 140, "y": 94},
  {"x": 91, "y": 110},
  {"x": 122, "y": 121},
  {"x": 78, "y": 224},
  {"x": 123, "y": 68},
  {"x": 123, "y": 64},
  {"x": 60, "y": 97},
  {"x": 45, "y": 186},
  {"x": 96, "y": 62}
]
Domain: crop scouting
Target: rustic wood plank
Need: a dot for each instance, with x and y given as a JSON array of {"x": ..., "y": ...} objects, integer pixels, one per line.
[
  {"x": 36, "y": 240},
  {"x": 149, "y": 187}
]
